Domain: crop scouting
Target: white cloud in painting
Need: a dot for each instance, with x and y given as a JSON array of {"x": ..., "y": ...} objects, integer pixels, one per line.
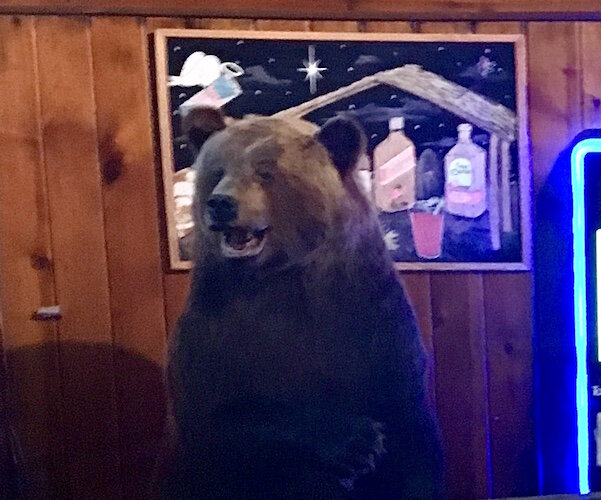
[
  {"x": 365, "y": 59},
  {"x": 414, "y": 110},
  {"x": 257, "y": 76}
]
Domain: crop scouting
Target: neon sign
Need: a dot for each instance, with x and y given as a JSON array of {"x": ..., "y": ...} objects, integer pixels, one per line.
[{"x": 581, "y": 307}]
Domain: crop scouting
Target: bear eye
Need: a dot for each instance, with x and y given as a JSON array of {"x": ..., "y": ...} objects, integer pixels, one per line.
[
  {"x": 265, "y": 169},
  {"x": 217, "y": 174},
  {"x": 265, "y": 175}
]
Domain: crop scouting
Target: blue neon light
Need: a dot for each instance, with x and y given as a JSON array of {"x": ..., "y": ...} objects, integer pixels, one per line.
[{"x": 580, "y": 322}]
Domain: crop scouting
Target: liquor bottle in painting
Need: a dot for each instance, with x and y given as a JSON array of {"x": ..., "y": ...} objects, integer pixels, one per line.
[
  {"x": 394, "y": 163},
  {"x": 465, "y": 176}
]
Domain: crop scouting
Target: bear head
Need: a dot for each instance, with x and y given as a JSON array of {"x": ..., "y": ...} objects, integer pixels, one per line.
[{"x": 271, "y": 189}]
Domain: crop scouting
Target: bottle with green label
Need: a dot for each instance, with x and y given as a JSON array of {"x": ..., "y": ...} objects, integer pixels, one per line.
[{"x": 465, "y": 176}]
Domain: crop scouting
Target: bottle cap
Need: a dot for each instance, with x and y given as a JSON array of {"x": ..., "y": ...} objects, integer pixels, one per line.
[
  {"x": 465, "y": 128},
  {"x": 396, "y": 123}
]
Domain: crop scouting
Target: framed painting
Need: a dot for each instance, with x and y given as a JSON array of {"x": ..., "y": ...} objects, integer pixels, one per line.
[{"x": 447, "y": 166}]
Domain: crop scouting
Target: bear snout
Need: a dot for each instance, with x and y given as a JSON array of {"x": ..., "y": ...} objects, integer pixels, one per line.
[{"x": 222, "y": 209}]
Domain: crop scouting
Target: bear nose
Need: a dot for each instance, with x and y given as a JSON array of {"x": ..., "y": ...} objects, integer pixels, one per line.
[{"x": 222, "y": 208}]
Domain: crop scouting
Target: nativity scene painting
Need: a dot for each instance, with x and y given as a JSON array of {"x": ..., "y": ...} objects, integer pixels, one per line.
[{"x": 446, "y": 167}]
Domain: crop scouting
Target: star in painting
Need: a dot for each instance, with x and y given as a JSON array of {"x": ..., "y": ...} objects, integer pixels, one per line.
[{"x": 311, "y": 67}]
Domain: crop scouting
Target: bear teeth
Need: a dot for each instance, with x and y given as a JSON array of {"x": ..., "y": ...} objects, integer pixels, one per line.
[{"x": 238, "y": 242}]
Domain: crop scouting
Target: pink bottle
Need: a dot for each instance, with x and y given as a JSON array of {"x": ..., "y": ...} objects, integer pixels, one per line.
[
  {"x": 465, "y": 176},
  {"x": 394, "y": 167}
]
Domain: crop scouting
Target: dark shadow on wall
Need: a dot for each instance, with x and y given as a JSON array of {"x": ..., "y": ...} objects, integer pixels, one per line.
[{"x": 97, "y": 433}]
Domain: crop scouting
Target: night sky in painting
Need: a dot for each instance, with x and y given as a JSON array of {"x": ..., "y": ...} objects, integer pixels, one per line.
[{"x": 272, "y": 82}]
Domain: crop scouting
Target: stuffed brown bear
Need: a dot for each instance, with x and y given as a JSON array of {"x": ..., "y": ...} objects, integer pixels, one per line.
[{"x": 296, "y": 371}]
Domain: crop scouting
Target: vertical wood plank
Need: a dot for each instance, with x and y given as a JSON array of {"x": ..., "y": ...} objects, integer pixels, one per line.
[
  {"x": 128, "y": 184},
  {"x": 555, "y": 94},
  {"x": 461, "y": 365},
  {"x": 76, "y": 213},
  {"x": 27, "y": 281},
  {"x": 461, "y": 382},
  {"x": 120, "y": 54},
  {"x": 175, "y": 284},
  {"x": 591, "y": 79},
  {"x": 509, "y": 338}
]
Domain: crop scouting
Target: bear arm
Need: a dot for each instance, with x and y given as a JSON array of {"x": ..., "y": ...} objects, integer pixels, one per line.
[
  {"x": 412, "y": 436},
  {"x": 193, "y": 396},
  {"x": 340, "y": 443}
]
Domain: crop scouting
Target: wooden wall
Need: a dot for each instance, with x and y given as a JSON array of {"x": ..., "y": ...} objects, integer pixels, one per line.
[{"x": 81, "y": 226}]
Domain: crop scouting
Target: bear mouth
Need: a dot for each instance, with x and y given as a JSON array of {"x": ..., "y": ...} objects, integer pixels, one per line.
[{"x": 239, "y": 242}]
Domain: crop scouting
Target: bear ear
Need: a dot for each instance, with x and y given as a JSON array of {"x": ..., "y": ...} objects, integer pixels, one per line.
[
  {"x": 200, "y": 123},
  {"x": 345, "y": 140}
]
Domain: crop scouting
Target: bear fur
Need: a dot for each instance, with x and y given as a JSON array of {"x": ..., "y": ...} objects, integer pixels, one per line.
[{"x": 297, "y": 370}]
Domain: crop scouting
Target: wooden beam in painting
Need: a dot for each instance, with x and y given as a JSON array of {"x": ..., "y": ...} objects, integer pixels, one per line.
[
  {"x": 411, "y": 78},
  {"x": 505, "y": 186},
  {"x": 493, "y": 192}
]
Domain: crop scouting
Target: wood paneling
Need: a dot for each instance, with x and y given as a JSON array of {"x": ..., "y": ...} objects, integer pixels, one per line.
[
  {"x": 81, "y": 225},
  {"x": 462, "y": 382},
  {"x": 70, "y": 141},
  {"x": 591, "y": 78},
  {"x": 175, "y": 284},
  {"x": 131, "y": 225},
  {"x": 333, "y": 9},
  {"x": 27, "y": 282},
  {"x": 555, "y": 92},
  {"x": 509, "y": 351}
]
